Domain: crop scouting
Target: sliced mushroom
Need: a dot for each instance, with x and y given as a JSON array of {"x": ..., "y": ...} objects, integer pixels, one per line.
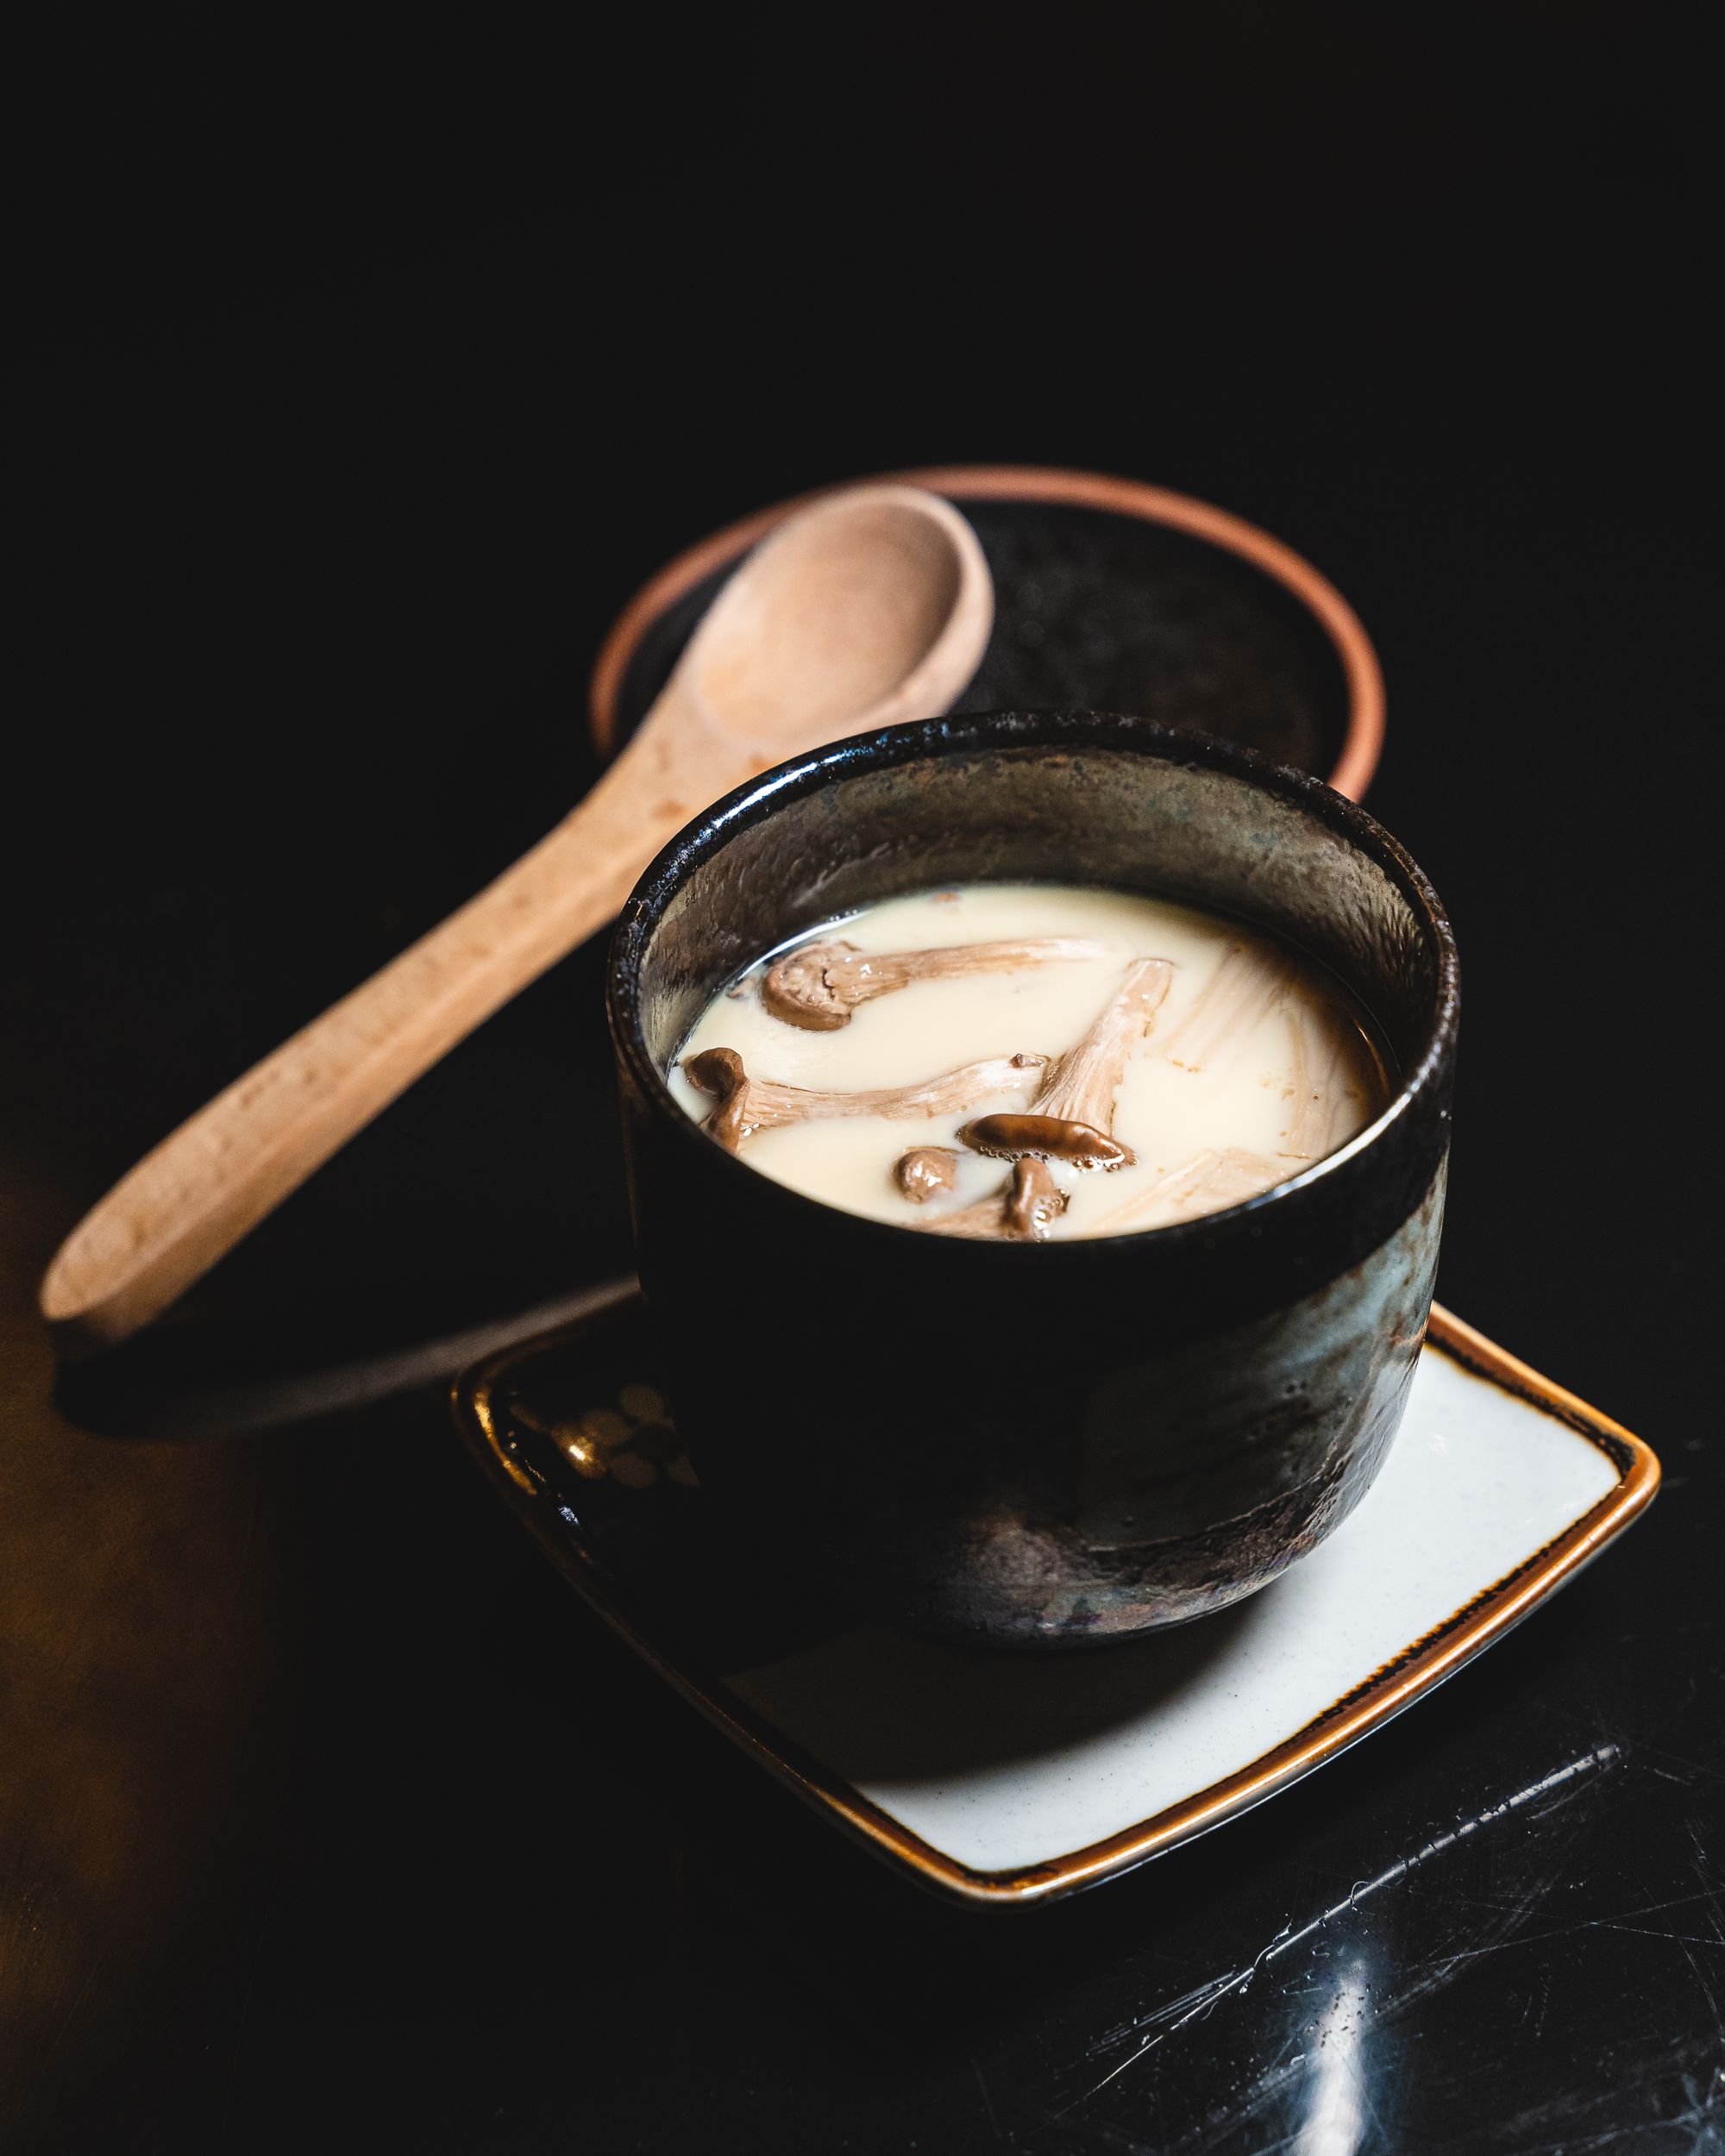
[
  {"x": 1312, "y": 1083},
  {"x": 747, "y": 1105},
  {"x": 819, "y": 985},
  {"x": 1209, "y": 1183},
  {"x": 1084, "y": 1082},
  {"x": 1244, "y": 986},
  {"x": 926, "y": 1172},
  {"x": 1021, "y": 1211},
  {"x": 1009, "y": 1137},
  {"x": 1333, "y": 1062}
]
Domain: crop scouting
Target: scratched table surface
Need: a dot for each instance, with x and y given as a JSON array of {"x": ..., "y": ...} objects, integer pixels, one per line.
[{"x": 329, "y": 1819}]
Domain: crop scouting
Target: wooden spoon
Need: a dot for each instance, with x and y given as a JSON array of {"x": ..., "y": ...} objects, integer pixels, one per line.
[{"x": 871, "y": 606}]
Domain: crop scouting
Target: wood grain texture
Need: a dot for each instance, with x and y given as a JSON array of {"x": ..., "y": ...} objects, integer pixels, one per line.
[{"x": 873, "y": 607}]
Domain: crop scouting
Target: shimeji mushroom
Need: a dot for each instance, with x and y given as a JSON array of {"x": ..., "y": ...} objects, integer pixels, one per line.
[
  {"x": 925, "y": 1171},
  {"x": 819, "y": 986},
  {"x": 1070, "y": 1120},
  {"x": 1032, "y": 1136},
  {"x": 1084, "y": 1082},
  {"x": 748, "y": 1104},
  {"x": 1022, "y": 1211}
]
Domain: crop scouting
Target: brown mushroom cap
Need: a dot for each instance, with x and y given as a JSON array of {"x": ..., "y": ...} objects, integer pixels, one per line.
[
  {"x": 926, "y": 1172},
  {"x": 1008, "y": 1136},
  {"x": 797, "y": 990}
]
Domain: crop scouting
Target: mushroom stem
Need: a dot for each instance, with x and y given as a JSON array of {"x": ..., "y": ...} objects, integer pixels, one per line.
[
  {"x": 1070, "y": 1120},
  {"x": 819, "y": 986},
  {"x": 748, "y": 1105},
  {"x": 1082, "y": 1085},
  {"x": 1021, "y": 1211}
]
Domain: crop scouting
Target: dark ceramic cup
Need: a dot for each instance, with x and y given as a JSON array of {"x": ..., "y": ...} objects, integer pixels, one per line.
[{"x": 1037, "y": 1444}]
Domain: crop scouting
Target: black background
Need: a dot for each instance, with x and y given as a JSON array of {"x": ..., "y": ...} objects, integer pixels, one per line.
[{"x": 367, "y": 368}]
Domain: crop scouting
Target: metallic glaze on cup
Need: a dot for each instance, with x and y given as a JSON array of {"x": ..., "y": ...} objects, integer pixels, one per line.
[{"x": 1050, "y": 1445}]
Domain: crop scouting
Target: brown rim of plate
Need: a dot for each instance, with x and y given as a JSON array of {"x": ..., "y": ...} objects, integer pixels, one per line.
[
  {"x": 1362, "y": 744},
  {"x": 1422, "y": 1666}
]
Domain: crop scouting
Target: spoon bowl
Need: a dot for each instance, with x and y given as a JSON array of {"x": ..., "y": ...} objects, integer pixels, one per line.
[{"x": 777, "y": 664}]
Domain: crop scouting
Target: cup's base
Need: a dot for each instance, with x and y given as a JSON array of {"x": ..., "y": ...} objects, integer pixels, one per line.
[{"x": 1009, "y": 1778}]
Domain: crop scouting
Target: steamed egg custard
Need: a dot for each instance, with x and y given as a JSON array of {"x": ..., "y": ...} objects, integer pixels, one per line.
[{"x": 1032, "y": 1061}]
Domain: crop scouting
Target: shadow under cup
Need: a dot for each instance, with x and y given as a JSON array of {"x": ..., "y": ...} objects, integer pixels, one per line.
[{"x": 1037, "y": 1444}]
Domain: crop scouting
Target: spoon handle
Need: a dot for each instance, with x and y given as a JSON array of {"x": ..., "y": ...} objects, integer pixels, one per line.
[{"x": 206, "y": 1185}]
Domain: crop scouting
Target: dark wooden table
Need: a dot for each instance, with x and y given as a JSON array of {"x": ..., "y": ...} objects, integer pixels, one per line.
[{"x": 328, "y": 1820}]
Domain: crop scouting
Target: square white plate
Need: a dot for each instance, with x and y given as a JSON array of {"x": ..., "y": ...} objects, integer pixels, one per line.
[{"x": 1009, "y": 1778}]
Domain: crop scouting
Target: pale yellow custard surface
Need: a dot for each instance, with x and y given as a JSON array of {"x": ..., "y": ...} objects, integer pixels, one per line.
[{"x": 1239, "y": 1062}]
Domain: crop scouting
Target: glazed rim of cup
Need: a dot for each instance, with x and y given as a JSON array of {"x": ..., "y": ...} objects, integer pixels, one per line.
[
  {"x": 1362, "y": 741},
  {"x": 976, "y": 733}
]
